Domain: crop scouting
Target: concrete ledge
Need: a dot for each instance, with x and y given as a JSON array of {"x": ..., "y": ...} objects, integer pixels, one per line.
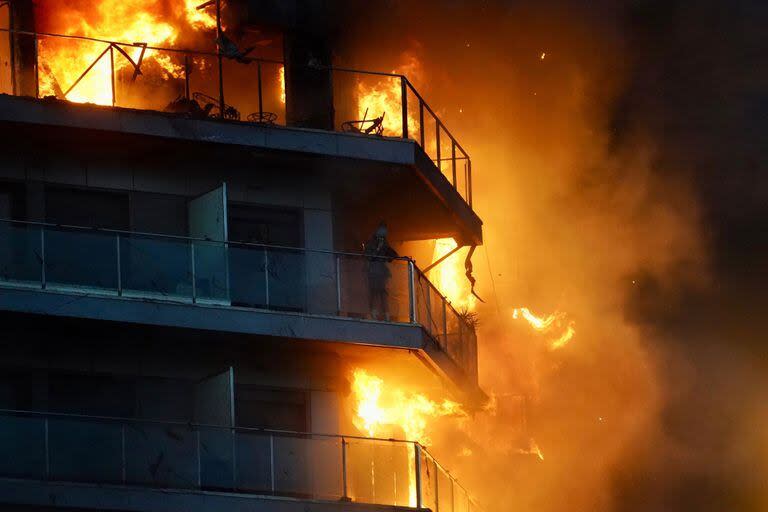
[
  {"x": 213, "y": 318},
  {"x": 138, "y": 499},
  {"x": 175, "y": 126}
]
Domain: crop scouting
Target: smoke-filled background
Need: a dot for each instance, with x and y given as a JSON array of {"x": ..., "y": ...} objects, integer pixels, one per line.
[{"x": 619, "y": 153}]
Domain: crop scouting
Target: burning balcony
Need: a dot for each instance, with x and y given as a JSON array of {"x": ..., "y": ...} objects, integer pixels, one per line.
[
  {"x": 127, "y": 457},
  {"x": 234, "y": 84},
  {"x": 232, "y": 287}
]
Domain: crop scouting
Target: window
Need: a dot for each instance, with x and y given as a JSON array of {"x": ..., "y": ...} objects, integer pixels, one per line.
[{"x": 258, "y": 407}]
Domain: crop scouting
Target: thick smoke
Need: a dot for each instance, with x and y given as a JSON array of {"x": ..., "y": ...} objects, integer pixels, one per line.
[{"x": 583, "y": 214}]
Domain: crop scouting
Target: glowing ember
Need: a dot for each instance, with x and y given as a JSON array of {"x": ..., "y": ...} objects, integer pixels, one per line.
[
  {"x": 381, "y": 409},
  {"x": 449, "y": 276},
  {"x": 555, "y": 323}
]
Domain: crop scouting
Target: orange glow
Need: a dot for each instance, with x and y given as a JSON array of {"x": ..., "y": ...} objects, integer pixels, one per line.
[
  {"x": 556, "y": 324},
  {"x": 449, "y": 276},
  {"x": 200, "y": 18},
  {"x": 381, "y": 410},
  {"x": 281, "y": 81},
  {"x": 153, "y": 22},
  {"x": 384, "y": 98}
]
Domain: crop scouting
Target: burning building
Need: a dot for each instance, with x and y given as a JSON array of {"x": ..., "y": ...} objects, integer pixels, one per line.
[{"x": 194, "y": 313}]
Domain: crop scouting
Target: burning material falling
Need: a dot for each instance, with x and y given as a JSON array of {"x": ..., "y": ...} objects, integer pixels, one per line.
[
  {"x": 556, "y": 323},
  {"x": 380, "y": 410}
]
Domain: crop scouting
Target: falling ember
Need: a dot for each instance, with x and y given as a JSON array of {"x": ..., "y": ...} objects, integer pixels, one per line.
[
  {"x": 555, "y": 323},
  {"x": 379, "y": 409},
  {"x": 543, "y": 55},
  {"x": 449, "y": 276}
]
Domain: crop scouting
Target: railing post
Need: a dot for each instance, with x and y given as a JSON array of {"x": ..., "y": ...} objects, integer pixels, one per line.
[
  {"x": 272, "y": 461},
  {"x": 42, "y": 257},
  {"x": 119, "y": 267},
  {"x": 412, "y": 292},
  {"x": 187, "y": 94},
  {"x": 437, "y": 141},
  {"x": 234, "y": 459},
  {"x": 194, "y": 271},
  {"x": 469, "y": 180},
  {"x": 417, "y": 454},
  {"x": 266, "y": 278},
  {"x": 344, "y": 488},
  {"x": 37, "y": 67},
  {"x": 47, "y": 451},
  {"x": 422, "y": 130},
  {"x": 261, "y": 97},
  {"x": 122, "y": 453},
  {"x": 112, "y": 70},
  {"x": 338, "y": 285},
  {"x": 199, "y": 461},
  {"x": 404, "y": 104},
  {"x": 453, "y": 161}
]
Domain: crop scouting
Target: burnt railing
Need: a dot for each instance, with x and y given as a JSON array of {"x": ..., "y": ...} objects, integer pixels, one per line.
[
  {"x": 144, "y": 453},
  {"x": 200, "y": 84},
  {"x": 166, "y": 268}
]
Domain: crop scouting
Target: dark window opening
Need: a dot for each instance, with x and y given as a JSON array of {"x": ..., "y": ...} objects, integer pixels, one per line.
[{"x": 257, "y": 407}]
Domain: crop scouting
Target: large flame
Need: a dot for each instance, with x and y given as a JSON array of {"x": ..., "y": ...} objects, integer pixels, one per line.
[
  {"x": 556, "y": 324},
  {"x": 380, "y": 409},
  {"x": 449, "y": 276},
  {"x": 153, "y": 22},
  {"x": 383, "y": 98}
]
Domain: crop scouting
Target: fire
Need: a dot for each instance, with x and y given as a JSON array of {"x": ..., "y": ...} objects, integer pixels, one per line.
[
  {"x": 281, "y": 83},
  {"x": 381, "y": 409},
  {"x": 449, "y": 276},
  {"x": 200, "y": 18},
  {"x": 153, "y": 22},
  {"x": 384, "y": 98},
  {"x": 557, "y": 321}
]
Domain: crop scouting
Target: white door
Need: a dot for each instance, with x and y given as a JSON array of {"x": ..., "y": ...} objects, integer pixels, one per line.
[{"x": 208, "y": 222}]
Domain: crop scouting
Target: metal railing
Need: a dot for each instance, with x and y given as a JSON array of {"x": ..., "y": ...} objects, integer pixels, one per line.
[
  {"x": 198, "y": 83},
  {"x": 230, "y": 274},
  {"x": 106, "y": 450}
]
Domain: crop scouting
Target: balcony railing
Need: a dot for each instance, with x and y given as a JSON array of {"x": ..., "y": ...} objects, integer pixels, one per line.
[
  {"x": 229, "y": 274},
  {"x": 201, "y": 84},
  {"x": 103, "y": 450}
]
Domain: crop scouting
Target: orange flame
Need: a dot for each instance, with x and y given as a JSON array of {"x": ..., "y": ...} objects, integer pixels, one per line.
[
  {"x": 547, "y": 324},
  {"x": 449, "y": 276},
  {"x": 379, "y": 409},
  {"x": 63, "y": 61},
  {"x": 384, "y": 98}
]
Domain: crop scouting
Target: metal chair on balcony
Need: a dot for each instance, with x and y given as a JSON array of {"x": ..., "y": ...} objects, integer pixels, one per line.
[
  {"x": 365, "y": 126},
  {"x": 262, "y": 118}
]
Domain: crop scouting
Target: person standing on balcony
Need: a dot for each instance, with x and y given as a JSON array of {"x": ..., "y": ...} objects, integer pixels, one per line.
[{"x": 379, "y": 274}]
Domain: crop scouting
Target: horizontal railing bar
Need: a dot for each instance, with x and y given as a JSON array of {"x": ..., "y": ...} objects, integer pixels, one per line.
[
  {"x": 190, "y": 425},
  {"x": 196, "y": 239},
  {"x": 132, "y": 45},
  {"x": 117, "y": 419}
]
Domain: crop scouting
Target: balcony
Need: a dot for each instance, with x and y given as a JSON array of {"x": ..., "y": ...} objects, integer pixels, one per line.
[
  {"x": 232, "y": 287},
  {"x": 120, "y": 455},
  {"x": 203, "y": 84}
]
